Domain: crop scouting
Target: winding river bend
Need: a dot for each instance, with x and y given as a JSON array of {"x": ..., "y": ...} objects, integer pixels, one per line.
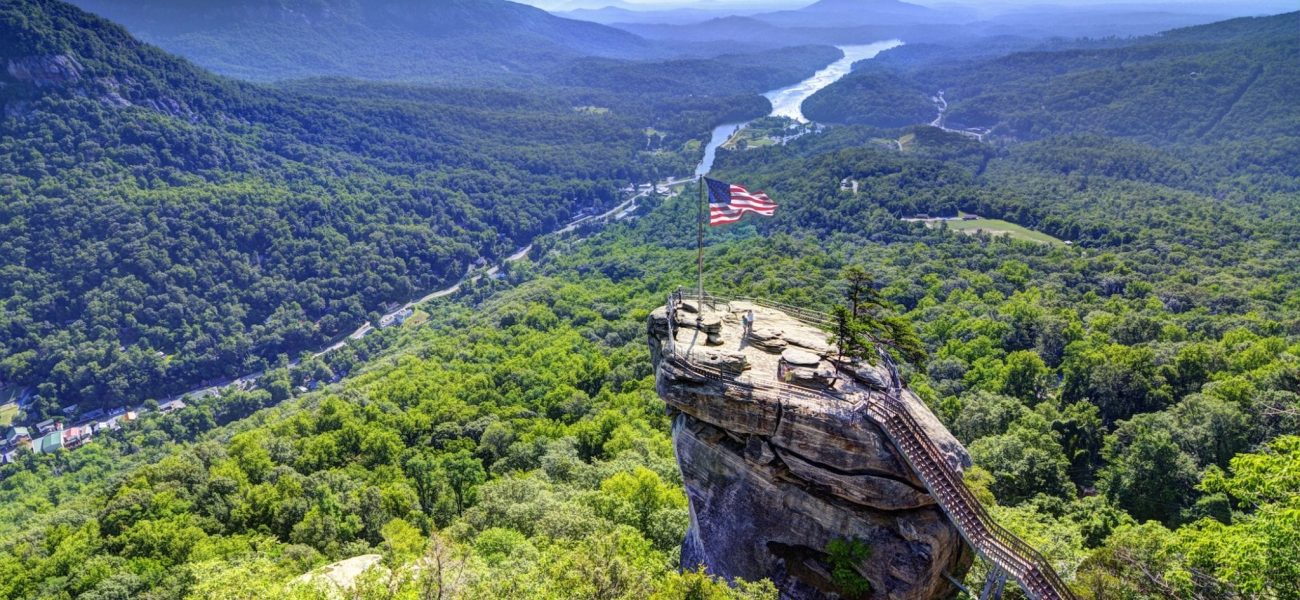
[{"x": 788, "y": 101}]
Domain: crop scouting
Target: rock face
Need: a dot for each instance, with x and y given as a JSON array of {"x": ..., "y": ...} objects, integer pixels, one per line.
[
  {"x": 27, "y": 77},
  {"x": 772, "y": 478},
  {"x": 45, "y": 71}
]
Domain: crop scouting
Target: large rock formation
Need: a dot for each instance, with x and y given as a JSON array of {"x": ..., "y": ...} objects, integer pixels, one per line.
[{"x": 773, "y": 478}]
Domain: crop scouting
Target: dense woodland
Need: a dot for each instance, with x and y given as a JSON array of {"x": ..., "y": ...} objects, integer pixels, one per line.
[
  {"x": 164, "y": 227},
  {"x": 1224, "y": 88},
  {"x": 1130, "y": 401},
  {"x": 1138, "y": 435}
]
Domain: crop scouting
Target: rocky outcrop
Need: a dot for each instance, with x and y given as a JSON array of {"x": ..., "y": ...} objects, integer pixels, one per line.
[
  {"x": 773, "y": 478},
  {"x": 45, "y": 72},
  {"x": 30, "y": 76}
]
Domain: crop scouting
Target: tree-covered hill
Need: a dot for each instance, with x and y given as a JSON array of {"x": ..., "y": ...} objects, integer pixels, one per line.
[
  {"x": 841, "y": 13},
  {"x": 464, "y": 40},
  {"x": 163, "y": 226},
  {"x": 1196, "y": 85}
]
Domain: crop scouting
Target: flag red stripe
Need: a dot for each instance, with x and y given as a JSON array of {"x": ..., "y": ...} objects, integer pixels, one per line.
[
  {"x": 753, "y": 204},
  {"x": 741, "y": 201}
]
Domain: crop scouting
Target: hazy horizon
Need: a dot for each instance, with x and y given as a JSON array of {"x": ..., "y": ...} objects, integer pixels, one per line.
[{"x": 1249, "y": 7}]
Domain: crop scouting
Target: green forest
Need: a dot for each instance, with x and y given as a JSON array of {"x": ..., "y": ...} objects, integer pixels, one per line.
[
  {"x": 1222, "y": 89},
  {"x": 1142, "y": 444},
  {"x": 164, "y": 227},
  {"x": 1131, "y": 400}
]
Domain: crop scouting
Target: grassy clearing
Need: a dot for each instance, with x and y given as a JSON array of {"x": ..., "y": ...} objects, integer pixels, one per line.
[
  {"x": 7, "y": 414},
  {"x": 748, "y": 139},
  {"x": 905, "y": 142},
  {"x": 417, "y": 319},
  {"x": 1000, "y": 227}
]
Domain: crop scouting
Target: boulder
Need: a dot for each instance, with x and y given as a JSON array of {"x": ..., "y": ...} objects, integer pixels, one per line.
[
  {"x": 875, "y": 378},
  {"x": 800, "y": 358},
  {"x": 717, "y": 358},
  {"x": 809, "y": 339},
  {"x": 774, "y": 474},
  {"x": 768, "y": 339}
]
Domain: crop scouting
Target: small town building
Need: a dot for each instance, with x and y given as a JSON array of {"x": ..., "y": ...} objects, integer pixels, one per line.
[
  {"x": 48, "y": 443},
  {"x": 170, "y": 406},
  {"x": 17, "y": 435},
  {"x": 75, "y": 437},
  {"x": 396, "y": 318}
]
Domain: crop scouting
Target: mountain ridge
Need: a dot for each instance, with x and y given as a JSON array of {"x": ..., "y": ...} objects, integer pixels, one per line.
[{"x": 389, "y": 40}]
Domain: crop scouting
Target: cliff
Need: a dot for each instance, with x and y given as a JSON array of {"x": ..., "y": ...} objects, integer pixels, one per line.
[{"x": 774, "y": 474}]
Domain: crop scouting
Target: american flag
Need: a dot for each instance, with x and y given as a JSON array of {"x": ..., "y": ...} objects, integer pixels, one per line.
[{"x": 729, "y": 202}]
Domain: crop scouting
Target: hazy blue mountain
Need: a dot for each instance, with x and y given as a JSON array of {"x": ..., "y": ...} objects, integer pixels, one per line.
[
  {"x": 611, "y": 15},
  {"x": 379, "y": 39},
  {"x": 736, "y": 31},
  {"x": 848, "y": 13},
  {"x": 861, "y": 21}
]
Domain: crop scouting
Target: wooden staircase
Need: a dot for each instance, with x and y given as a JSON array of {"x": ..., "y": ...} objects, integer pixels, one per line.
[{"x": 997, "y": 545}]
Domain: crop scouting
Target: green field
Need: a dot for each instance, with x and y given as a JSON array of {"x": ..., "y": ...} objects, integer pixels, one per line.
[
  {"x": 7, "y": 414},
  {"x": 415, "y": 320},
  {"x": 1000, "y": 227}
]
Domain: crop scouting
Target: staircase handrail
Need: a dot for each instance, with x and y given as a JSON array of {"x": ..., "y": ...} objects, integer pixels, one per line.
[{"x": 1027, "y": 553}]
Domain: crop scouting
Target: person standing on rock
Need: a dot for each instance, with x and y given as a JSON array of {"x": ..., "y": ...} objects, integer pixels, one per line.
[{"x": 748, "y": 321}]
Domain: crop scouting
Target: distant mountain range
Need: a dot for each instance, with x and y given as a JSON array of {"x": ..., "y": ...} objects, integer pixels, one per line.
[
  {"x": 863, "y": 21},
  {"x": 372, "y": 39},
  {"x": 851, "y": 13},
  {"x": 671, "y": 16}
]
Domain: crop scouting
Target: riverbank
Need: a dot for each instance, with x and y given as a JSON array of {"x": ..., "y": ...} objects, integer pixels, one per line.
[{"x": 787, "y": 102}]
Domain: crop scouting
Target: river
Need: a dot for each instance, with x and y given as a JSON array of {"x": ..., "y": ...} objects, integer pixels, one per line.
[{"x": 788, "y": 101}]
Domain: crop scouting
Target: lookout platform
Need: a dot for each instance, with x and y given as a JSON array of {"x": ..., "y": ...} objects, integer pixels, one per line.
[{"x": 779, "y": 348}]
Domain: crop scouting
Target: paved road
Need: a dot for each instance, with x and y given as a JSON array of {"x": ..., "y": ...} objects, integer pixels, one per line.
[{"x": 942, "y": 104}]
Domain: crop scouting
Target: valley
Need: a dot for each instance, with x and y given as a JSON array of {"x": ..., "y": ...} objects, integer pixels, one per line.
[{"x": 402, "y": 291}]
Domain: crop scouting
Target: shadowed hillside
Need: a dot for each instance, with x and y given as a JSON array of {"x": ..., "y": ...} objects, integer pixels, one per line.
[{"x": 386, "y": 39}]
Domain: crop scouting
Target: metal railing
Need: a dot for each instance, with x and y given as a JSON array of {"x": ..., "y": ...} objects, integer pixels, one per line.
[{"x": 995, "y": 543}]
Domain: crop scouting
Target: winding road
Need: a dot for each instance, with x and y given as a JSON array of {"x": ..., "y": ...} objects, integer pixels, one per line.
[{"x": 942, "y": 104}]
